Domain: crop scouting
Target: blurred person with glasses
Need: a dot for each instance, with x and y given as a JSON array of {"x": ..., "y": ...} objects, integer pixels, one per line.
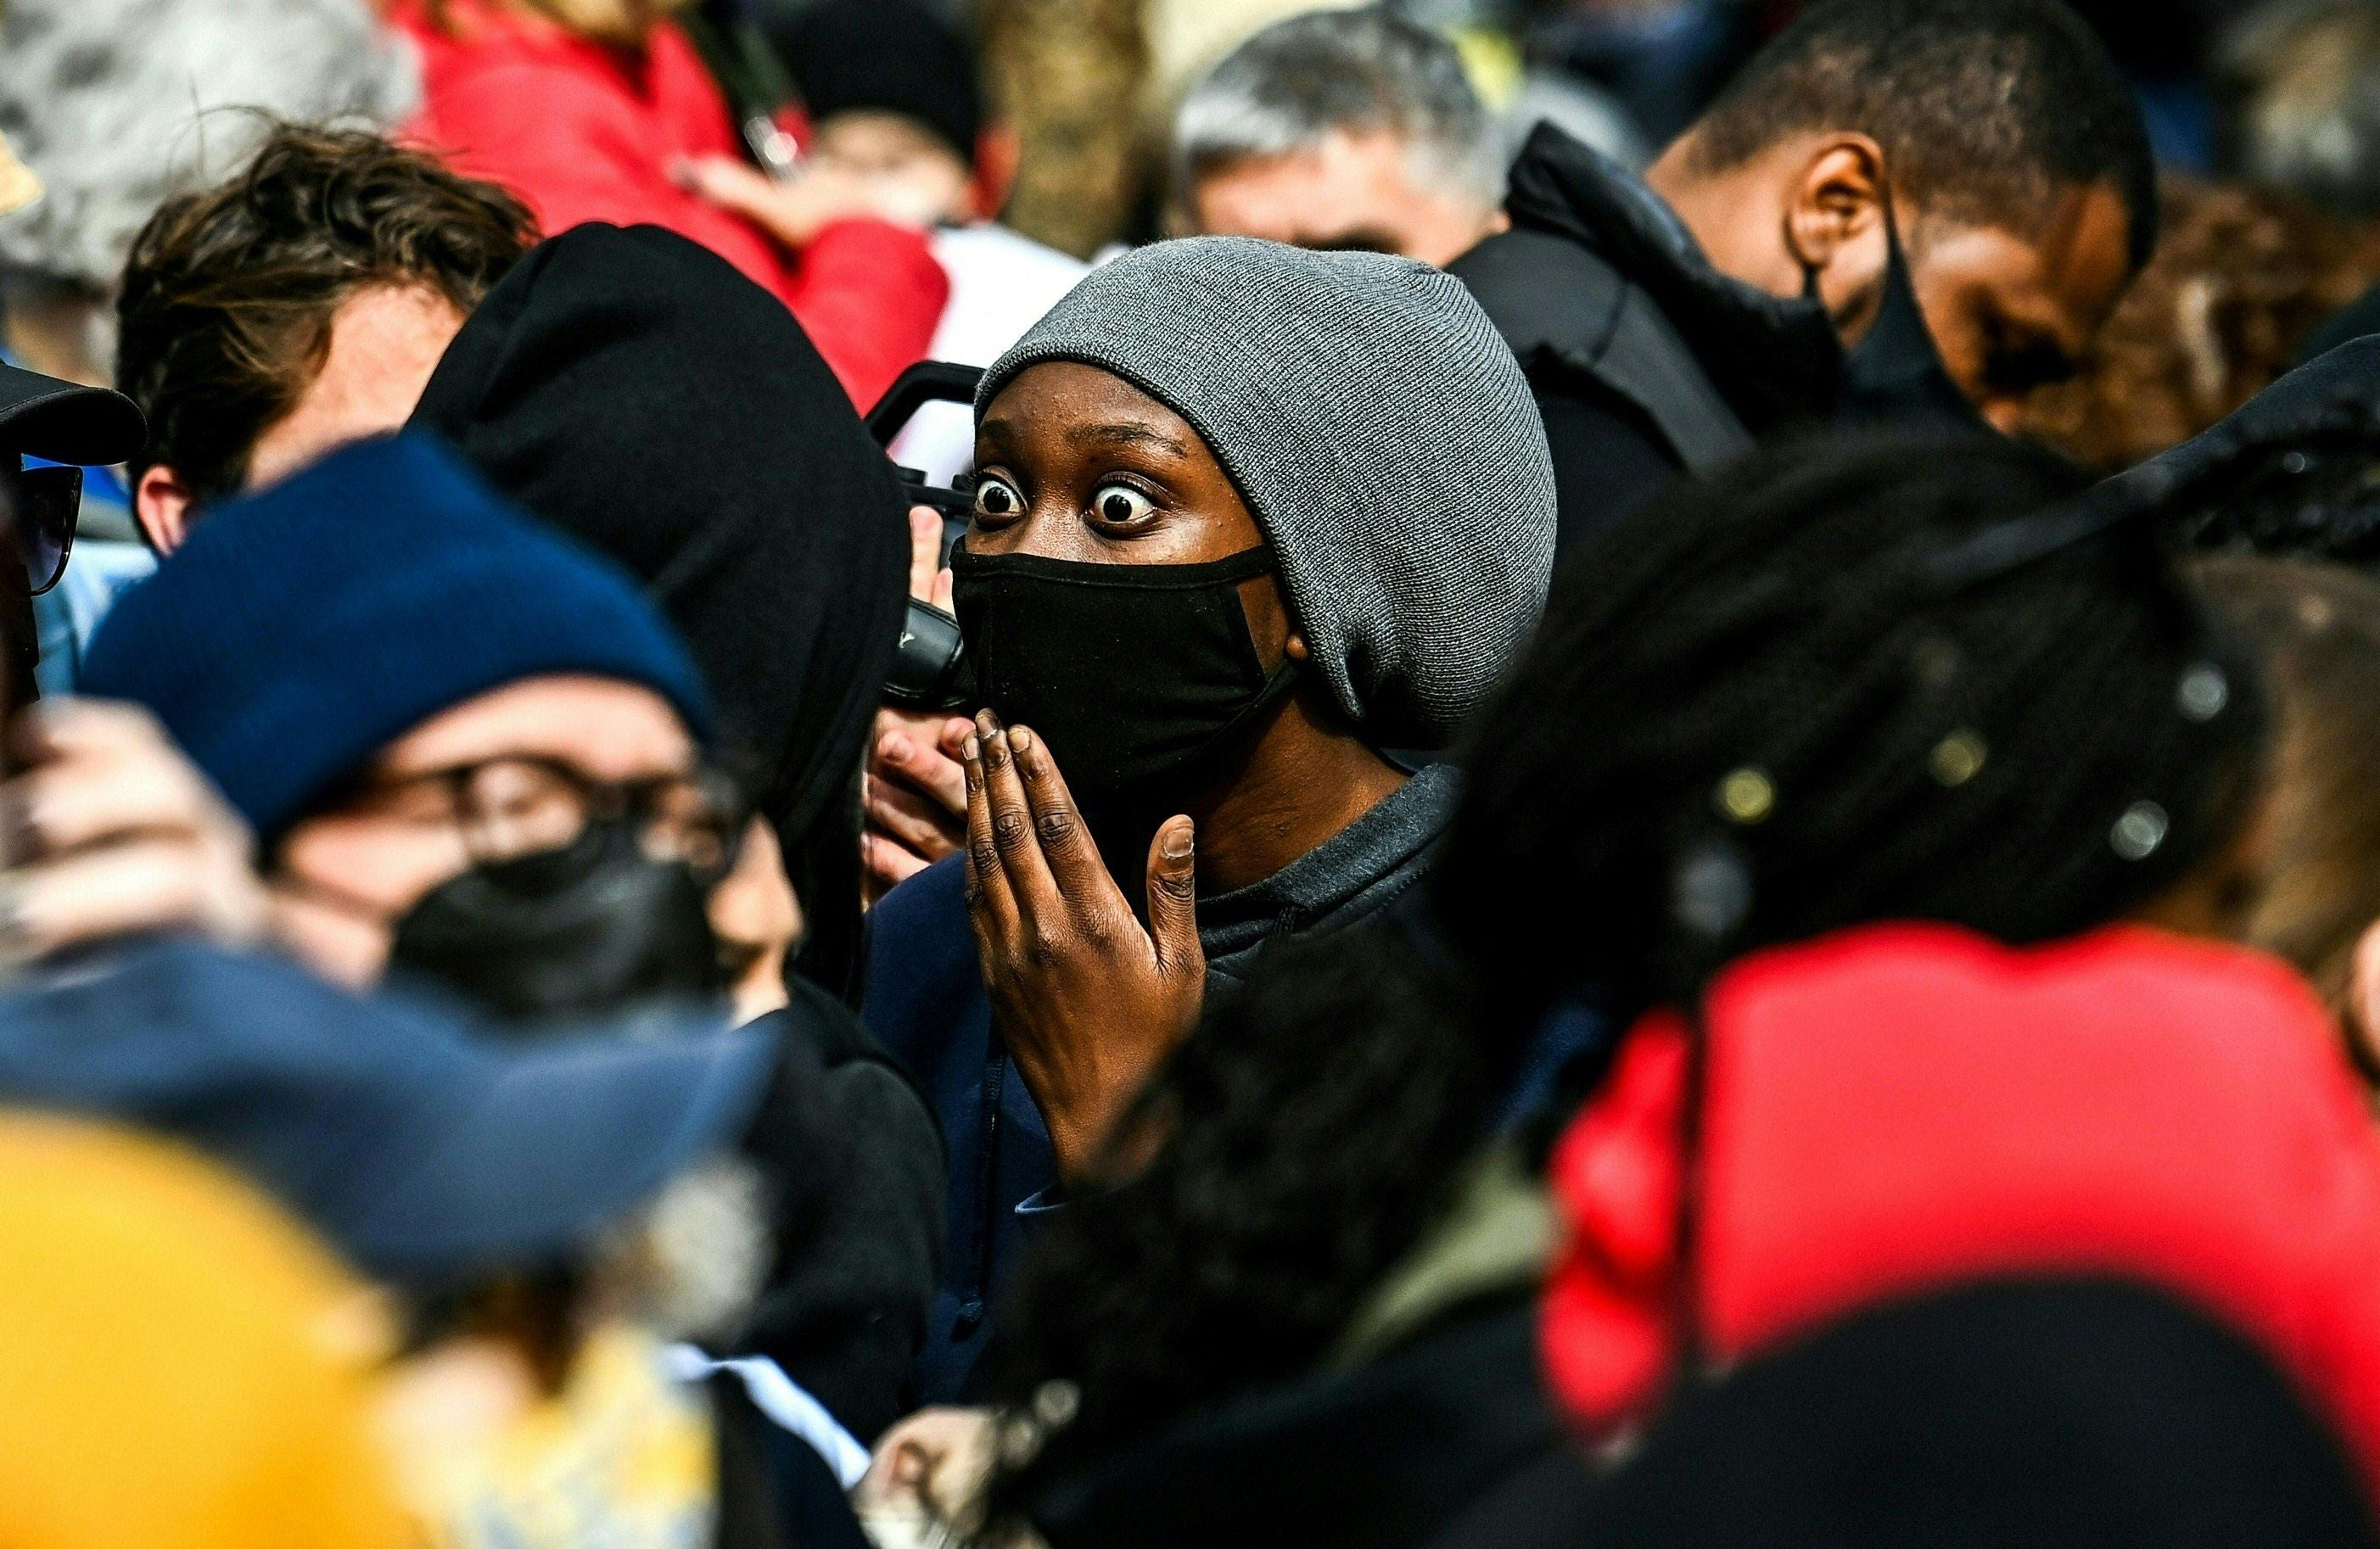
[{"x": 381, "y": 720}]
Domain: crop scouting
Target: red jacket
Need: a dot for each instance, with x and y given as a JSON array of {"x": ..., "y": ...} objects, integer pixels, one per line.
[
  {"x": 1903, "y": 1107},
  {"x": 586, "y": 132}
]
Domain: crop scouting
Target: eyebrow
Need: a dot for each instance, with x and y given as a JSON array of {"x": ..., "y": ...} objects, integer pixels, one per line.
[{"x": 1119, "y": 434}]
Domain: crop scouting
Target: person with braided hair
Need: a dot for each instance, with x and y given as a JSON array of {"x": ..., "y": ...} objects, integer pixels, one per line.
[{"x": 1912, "y": 793}]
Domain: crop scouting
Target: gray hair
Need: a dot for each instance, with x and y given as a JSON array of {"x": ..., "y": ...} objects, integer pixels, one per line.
[
  {"x": 119, "y": 104},
  {"x": 1365, "y": 69}
]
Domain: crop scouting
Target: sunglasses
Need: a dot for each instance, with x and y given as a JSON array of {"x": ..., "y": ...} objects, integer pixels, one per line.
[{"x": 48, "y": 502}]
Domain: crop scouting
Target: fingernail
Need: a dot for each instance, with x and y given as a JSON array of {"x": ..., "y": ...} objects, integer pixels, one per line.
[
  {"x": 974, "y": 747},
  {"x": 1178, "y": 843},
  {"x": 892, "y": 748},
  {"x": 1020, "y": 739}
]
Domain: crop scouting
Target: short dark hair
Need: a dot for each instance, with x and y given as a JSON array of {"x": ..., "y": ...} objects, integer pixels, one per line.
[
  {"x": 225, "y": 310},
  {"x": 1986, "y": 108}
]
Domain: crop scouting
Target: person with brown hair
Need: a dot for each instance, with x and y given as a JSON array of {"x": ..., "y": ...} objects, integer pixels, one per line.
[
  {"x": 300, "y": 305},
  {"x": 2241, "y": 279},
  {"x": 2317, "y": 627}
]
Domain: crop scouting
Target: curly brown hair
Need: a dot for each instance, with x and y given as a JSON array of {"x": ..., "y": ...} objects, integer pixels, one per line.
[
  {"x": 2240, "y": 280},
  {"x": 225, "y": 311}
]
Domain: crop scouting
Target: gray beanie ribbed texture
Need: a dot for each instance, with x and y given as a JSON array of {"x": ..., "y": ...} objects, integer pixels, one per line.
[{"x": 1379, "y": 429}]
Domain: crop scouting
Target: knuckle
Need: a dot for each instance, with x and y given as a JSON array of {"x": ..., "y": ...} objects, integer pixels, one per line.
[
  {"x": 1057, "y": 827},
  {"x": 1009, "y": 829}
]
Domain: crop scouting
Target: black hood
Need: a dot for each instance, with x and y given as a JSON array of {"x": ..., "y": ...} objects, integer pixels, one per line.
[
  {"x": 634, "y": 390},
  {"x": 1773, "y": 358},
  {"x": 2294, "y": 471}
]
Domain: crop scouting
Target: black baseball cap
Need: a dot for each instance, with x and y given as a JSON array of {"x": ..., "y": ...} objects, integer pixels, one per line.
[
  {"x": 424, "y": 1150},
  {"x": 65, "y": 421}
]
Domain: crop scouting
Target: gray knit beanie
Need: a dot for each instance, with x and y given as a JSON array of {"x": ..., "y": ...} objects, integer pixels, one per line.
[{"x": 1379, "y": 429}]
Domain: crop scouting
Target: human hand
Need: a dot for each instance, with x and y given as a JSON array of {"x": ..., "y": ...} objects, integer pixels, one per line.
[
  {"x": 113, "y": 831},
  {"x": 928, "y": 1473},
  {"x": 793, "y": 213},
  {"x": 916, "y": 794},
  {"x": 1088, "y": 999},
  {"x": 914, "y": 790}
]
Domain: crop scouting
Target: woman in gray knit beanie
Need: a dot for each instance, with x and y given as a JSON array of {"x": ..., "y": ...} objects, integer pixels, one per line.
[{"x": 1247, "y": 517}]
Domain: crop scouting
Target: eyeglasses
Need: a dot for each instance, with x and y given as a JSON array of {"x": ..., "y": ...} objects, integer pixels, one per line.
[
  {"x": 507, "y": 808},
  {"x": 45, "y": 503}
]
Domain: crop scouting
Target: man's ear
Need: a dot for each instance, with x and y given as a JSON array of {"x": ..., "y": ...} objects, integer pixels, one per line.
[
  {"x": 996, "y": 150},
  {"x": 1835, "y": 218},
  {"x": 161, "y": 503}
]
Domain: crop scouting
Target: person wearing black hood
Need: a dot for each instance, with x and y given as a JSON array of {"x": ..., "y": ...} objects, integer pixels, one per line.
[
  {"x": 636, "y": 390},
  {"x": 1914, "y": 211}
]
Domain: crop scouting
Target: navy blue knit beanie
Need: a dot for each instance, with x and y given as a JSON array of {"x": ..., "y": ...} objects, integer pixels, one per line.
[{"x": 301, "y": 630}]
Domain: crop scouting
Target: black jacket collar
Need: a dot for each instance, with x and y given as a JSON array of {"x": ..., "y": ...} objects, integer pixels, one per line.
[{"x": 1773, "y": 358}]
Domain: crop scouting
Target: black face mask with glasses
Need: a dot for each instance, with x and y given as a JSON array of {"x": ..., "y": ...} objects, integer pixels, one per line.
[{"x": 583, "y": 896}]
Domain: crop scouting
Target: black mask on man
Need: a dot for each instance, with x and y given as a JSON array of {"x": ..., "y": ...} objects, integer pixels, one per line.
[
  {"x": 1134, "y": 674},
  {"x": 595, "y": 926},
  {"x": 1894, "y": 376}
]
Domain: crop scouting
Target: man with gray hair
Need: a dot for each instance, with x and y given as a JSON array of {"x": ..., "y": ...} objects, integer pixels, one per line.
[{"x": 1337, "y": 130}]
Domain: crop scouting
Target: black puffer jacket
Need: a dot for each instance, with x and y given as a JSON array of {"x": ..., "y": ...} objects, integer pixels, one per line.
[{"x": 1646, "y": 360}]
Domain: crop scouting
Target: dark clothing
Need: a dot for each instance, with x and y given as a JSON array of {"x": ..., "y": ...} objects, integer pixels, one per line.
[
  {"x": 1375, "y": 1459},
  {"x": 926, "y": 1001},
  {"x": 634, "y": 390},
  {"x": 857, "y": 1173},
  {"x": 1646, "y": 360},
  {"x": 2049, "y": 1413},
  {"x": 774, "y": 1491}
]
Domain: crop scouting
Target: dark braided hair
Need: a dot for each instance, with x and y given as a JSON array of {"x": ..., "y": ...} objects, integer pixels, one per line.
[
  {"x": 1793, "y": 642},
  {"x": 1775, "y": 710}
]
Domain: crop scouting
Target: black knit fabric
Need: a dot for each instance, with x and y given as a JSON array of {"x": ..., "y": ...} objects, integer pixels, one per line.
[{"x": 632, "y": 388}]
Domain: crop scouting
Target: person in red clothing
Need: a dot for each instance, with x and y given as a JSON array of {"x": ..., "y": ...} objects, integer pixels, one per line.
[
  {"x": 1933, "y": 823},
  {"x": 602, "y": 110}
]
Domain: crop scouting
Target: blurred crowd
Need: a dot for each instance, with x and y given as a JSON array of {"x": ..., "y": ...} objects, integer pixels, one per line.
[{"x": 1453, "y": 773}]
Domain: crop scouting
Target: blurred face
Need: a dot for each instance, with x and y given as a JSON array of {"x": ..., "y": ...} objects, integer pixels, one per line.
[
  {"x": 918, "y": 177},
  {"x": 465, "y": 787},
  {"x": 2010, "y": 310},
  {"x": 1349, "y": 191},
  {"x": 2012, "y": 313}
]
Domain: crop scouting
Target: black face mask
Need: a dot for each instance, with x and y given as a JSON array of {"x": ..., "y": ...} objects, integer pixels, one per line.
[
  {"x": 1894, "y": 376},
  {"x": 1136, "y": 674},
  {"x": 596, "y": 925}
]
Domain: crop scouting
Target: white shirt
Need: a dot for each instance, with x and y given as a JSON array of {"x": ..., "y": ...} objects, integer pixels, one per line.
[{"x": 1000, "y": 284}]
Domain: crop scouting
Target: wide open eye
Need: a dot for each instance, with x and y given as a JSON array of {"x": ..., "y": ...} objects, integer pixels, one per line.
[
  {"x": 996, "y": 497},
  {"x": 1119, "y": 504}
]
